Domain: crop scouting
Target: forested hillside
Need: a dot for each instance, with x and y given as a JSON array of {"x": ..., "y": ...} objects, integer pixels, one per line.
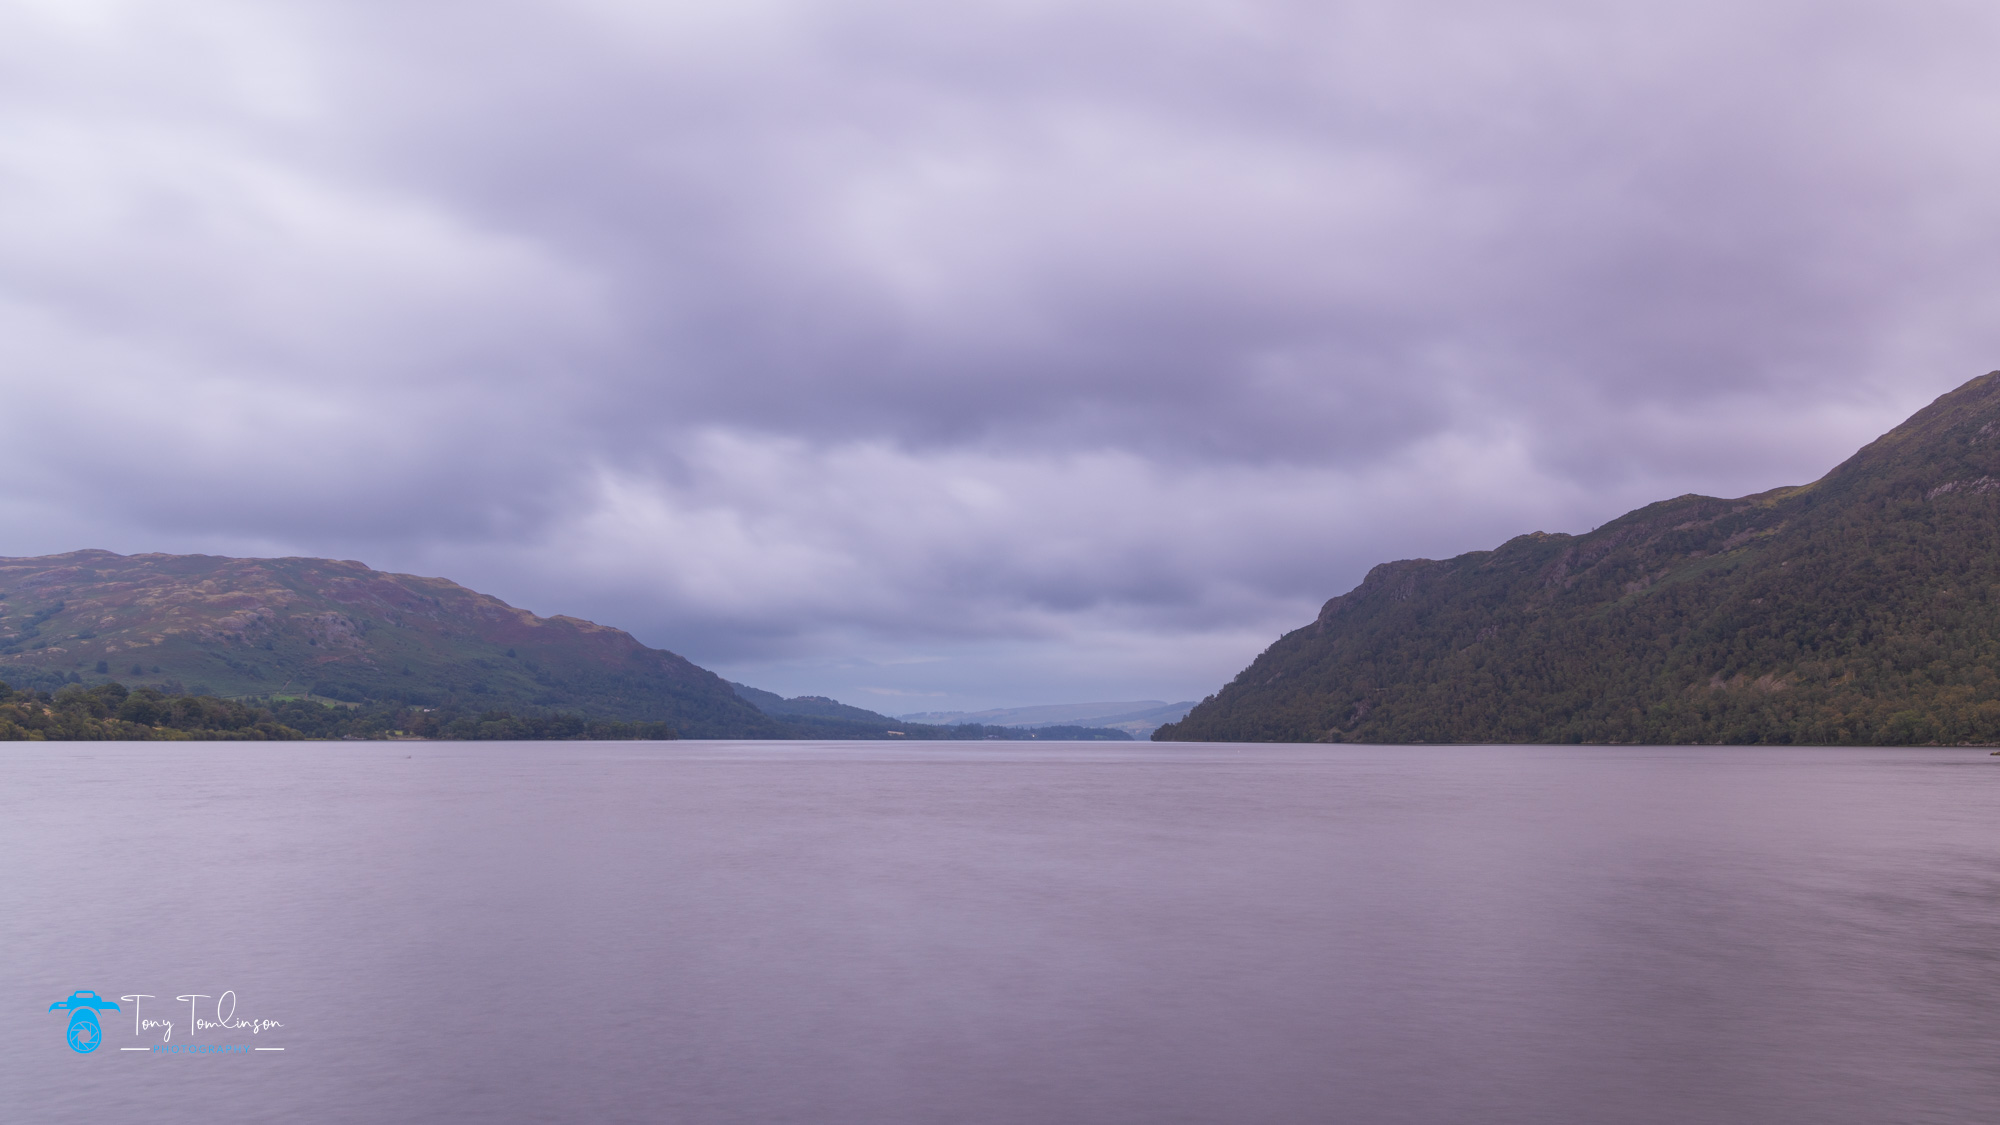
[{"x": 1861, "y": 609}]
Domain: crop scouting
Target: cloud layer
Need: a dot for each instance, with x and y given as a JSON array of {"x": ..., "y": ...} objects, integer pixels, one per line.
[{"x": 985, "y": 353}]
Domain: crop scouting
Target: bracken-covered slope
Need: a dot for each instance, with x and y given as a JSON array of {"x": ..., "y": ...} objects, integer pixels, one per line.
[
  {"x": 264, "y": 627},
  {"x": 1861, "y": 609}
]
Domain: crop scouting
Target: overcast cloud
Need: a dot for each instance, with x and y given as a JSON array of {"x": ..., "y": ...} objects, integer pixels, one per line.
[{"x": 965, "y": 354}]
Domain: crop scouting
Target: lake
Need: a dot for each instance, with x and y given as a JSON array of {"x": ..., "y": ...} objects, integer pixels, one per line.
[{"x": 999, "y": 932}]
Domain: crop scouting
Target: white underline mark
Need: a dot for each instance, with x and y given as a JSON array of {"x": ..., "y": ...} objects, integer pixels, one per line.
[
  {"x": 135, "y": 1048},
  {"x": 258, "y": 1048}
]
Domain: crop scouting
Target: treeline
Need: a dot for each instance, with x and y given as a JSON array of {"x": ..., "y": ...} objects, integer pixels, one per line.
[
  {"x": 320, "y": 720},
  {"x": 112, "y": 712}
]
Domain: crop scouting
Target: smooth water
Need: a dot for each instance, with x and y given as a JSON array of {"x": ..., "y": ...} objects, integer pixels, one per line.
[{"x": 832, "y": 933}]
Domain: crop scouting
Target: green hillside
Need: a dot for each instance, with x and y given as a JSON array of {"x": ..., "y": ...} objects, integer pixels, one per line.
[
  {"x": 1861, "y": 609},
  {"x": 271, "y": 629}
]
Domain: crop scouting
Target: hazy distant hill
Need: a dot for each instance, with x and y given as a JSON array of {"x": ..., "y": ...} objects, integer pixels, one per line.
[
  {"x": 1862, "y": 608},
  {"x": 814, "y": 706},
  {"x": 263, "y": 627},
  {"x": 1137, "y": 718},
  {"x": 816, "y": 716}
]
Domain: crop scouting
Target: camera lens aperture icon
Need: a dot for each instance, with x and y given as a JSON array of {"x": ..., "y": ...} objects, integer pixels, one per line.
[{"x": 85, "y": 1033}]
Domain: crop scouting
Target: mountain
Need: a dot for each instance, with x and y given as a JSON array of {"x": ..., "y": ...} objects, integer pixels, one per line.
[
  {"x": 811, "y": 706},
  {"x": 816, "y": 716},
  {"x": 1136, "y": 718},
  {"x": 1863, "y": 608},
  {"x": 339, "y": 630}
]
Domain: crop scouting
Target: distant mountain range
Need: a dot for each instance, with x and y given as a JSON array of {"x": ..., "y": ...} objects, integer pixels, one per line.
[
  {"x": 1137, "y": 718},
  {"x": 816, "y": 716},
  {"x": 1863, "y": 608}
]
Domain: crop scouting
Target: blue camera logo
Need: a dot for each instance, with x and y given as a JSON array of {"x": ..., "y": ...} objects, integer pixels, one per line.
[{"x": 84, "y": 1031}]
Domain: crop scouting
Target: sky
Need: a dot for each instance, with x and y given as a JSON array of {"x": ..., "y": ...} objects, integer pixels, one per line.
[{"x": 990, "y": 353}]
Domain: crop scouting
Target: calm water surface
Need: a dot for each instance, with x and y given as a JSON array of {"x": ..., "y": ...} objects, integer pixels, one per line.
[{"x": 833, "y": 933}]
